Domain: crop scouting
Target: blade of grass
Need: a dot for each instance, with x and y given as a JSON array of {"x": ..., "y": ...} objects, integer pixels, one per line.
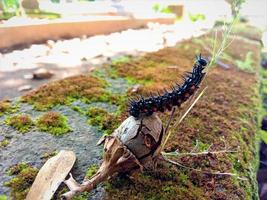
[{"x": 183, "y": 116}]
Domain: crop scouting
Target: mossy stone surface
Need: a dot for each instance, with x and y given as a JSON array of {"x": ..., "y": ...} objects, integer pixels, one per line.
[
  {"x": 66, "y": 91},
  {"x": 20, "y": 184},
  {"x": 224, "y": 117}
]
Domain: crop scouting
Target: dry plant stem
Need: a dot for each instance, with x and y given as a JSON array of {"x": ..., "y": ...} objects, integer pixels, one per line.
[
  {"x": 182, "y": 117},
  {"x": 167, "y": 128},
  {"x": 198, "y": 153},
  {"x": 170, "y": 120},
  {"x": 117, "y": 158},
  {"x": 204, "y": 172}
]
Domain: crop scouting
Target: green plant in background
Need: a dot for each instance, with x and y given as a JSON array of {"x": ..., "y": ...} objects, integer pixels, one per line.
[
  {"x": 235, "y": 6},
  {"x": 247, "y": 64},
  {"x": 55, "y": 1},
  {"x": 10, "y": 5},
  {"x": 161, "y": 9},
  {"x": 13, "y": 8},
  {"x": 36, "y": 13},
  {"x": 196, "y": 17}
]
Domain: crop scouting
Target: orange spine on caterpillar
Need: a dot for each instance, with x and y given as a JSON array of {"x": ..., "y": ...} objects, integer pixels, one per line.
[{"x": 178, "y": 95}]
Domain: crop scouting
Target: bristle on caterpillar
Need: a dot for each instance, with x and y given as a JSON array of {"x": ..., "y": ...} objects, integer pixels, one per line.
[{"x": 178, "y": 95}]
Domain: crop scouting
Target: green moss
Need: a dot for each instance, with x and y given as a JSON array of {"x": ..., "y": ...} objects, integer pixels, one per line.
[
  {"x": 112, "y": 73},
  {"x": 4, "y": 143},
  {"x": 20, "y": 184},
  {"x": 54, "y": 123},
  {"x": 200, "y": 146},
  {"x": 77, "y": 109},
  {"x": 63, "y": 189},
  {"x": 247, "y": 64},
  {"x": 121, "y": 59},
  {"x": 183, "y": 178},
  {"x": 4, "y": 107},
  {"x": 83, "y": 196},
  {"x": 17, "y": 169},
  {"x": 66, "y": 91},
  {"x": 264, "y": 74},
  {"x": 48, "y": 155},
  {"x": 7, "y": 107},
  {"x": 91, "y": 171},
  {"x": 148, "y": 66},
  {"x": 103, "y": 119},
  {"x": 23, "y": 123},
  {"x": 156, "y": 185}
]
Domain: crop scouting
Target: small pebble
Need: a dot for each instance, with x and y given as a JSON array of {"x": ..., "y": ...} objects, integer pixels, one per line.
[
  {"x": 28, "y": 76},
  {"x": 24, "y": 88},
  {"x": 42, "y": 73}
]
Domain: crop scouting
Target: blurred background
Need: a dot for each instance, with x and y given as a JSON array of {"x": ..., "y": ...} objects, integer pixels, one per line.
[{"x": 71, "y": 37}]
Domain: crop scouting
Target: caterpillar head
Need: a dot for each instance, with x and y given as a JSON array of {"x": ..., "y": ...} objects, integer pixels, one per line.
[{"x": 201, "y": 61}]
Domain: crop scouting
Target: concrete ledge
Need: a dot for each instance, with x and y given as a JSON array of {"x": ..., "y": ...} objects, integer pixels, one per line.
[{"x": 13, "y": 35}]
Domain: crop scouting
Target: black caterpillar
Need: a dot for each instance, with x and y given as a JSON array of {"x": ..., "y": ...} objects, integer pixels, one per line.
[{"x": 178, "y": 95}]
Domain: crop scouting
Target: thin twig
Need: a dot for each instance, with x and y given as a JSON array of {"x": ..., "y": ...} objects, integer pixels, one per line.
[
  {"x": 168, "y": 125},
  {"x": 198, "y": 153},
  {"x": 205, "y": 172},
  {"x": 170, "y": 119},
  {"x": 182, "y": 117}
]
